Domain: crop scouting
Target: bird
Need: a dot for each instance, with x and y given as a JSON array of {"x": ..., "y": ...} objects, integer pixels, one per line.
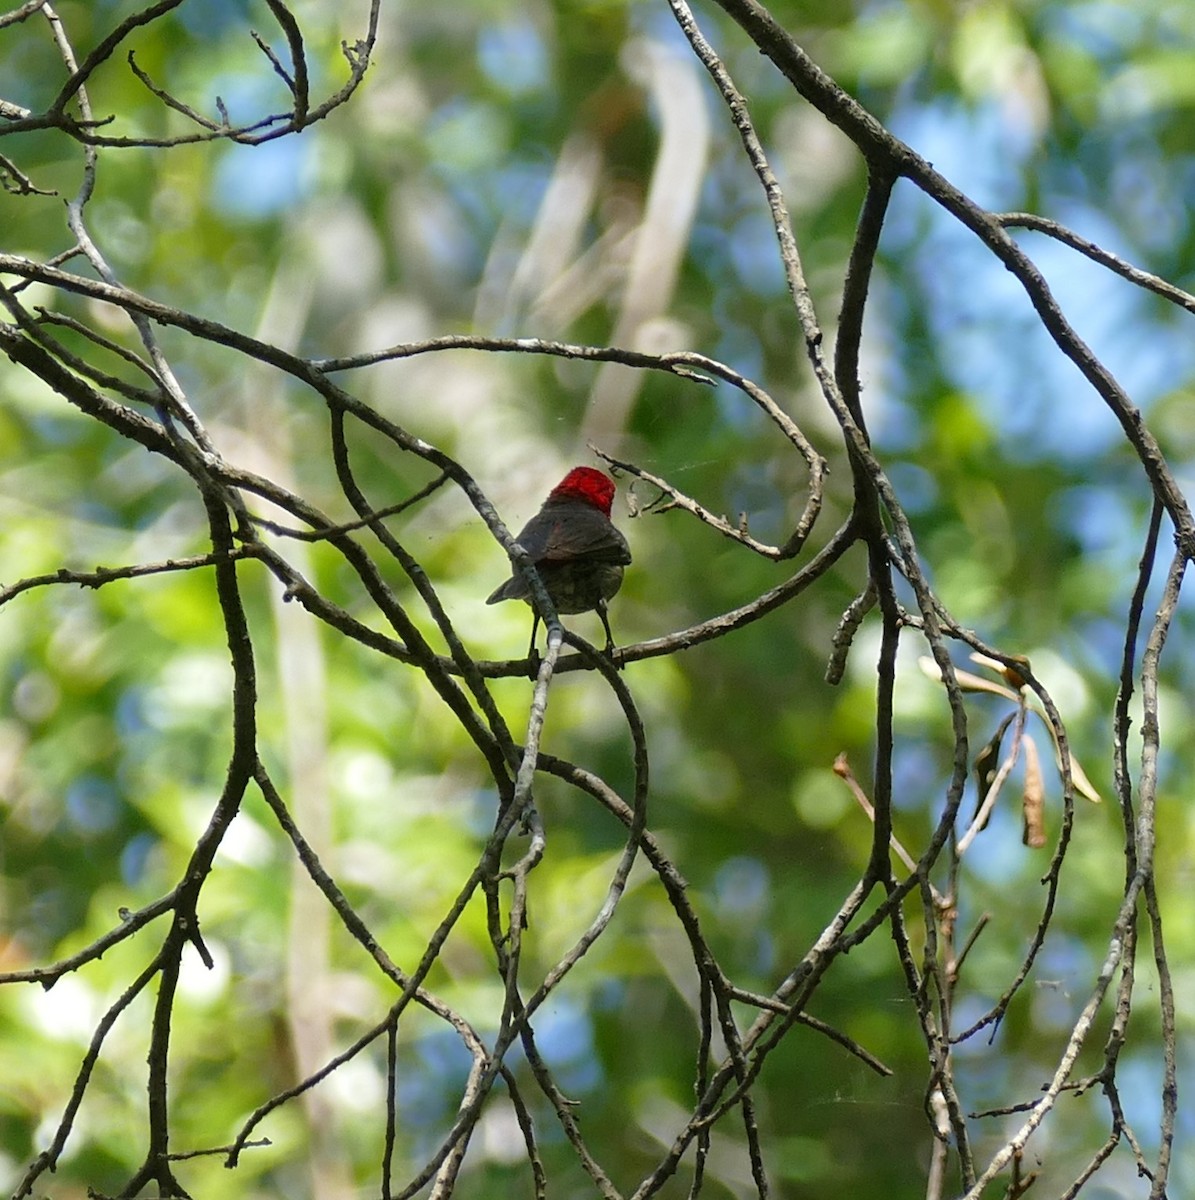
[{"x": 575, "y": 548}]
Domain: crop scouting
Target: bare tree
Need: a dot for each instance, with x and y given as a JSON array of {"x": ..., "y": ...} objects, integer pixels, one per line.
[{"x": 142, "y": 402}]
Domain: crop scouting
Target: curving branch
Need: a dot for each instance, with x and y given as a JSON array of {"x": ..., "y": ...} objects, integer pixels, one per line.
[{"x": 913, "y": 876}]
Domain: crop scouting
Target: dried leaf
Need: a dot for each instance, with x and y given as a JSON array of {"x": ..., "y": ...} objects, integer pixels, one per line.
[
  {"x": 1008, "y": 672},
  {"x": 1083, "y": 786},
  {"x": 987, "y": 764},
  {"x": 1033, "y": 799},
  {"x": 990, "y": 785},
  {"x": 966, "y": 681},
  {"x": 974, "y": 683},
  {"x": 987, "y": 761}
]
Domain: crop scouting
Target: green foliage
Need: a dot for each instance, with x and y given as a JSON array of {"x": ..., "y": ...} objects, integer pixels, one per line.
[{"x": 409, "y": 213}]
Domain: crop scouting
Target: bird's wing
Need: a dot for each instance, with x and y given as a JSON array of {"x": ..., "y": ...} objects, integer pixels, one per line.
[{"x": 559, "y": 534}]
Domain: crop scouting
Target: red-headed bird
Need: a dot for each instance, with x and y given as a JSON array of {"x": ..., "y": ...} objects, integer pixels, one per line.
[{"x": 578, "y": 553}]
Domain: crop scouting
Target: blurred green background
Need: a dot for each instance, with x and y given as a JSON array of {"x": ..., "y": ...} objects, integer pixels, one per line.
[{"x": 564, "y": 170}]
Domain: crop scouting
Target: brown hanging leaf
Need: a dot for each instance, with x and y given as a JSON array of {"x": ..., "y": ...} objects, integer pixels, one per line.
[
  {"x": 987, "y": 764},
  {"x": 1033, "y": 799},
  {"x": 966, "y": 681},
  {"x": 975, "y": 683},
  {"x": 1083, "y": 785},
  {"x": 1008, "y": 672}
]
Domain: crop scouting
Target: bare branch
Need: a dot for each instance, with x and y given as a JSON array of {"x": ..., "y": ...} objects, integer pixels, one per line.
[{"x": 1105, "y": 258}]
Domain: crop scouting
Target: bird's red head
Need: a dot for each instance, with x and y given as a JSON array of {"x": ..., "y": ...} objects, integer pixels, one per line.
[{"x": 587, "y": 484}]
